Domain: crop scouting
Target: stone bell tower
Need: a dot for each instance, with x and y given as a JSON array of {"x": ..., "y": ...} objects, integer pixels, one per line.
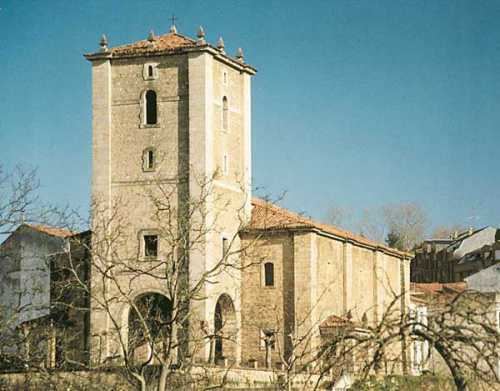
[{"x": 171, "y": 110}]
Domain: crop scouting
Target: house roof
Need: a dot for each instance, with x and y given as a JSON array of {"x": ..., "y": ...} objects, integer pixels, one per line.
[
  {"x": 41, "y": 228},
  {"x": 268, "y": 216},
  {"x": 336, "y": 321},
  {"x": 438, "y": 287},
  {"x": 486, "y": 280},
  {"x": 476, "y": 240},
  {"x": 50, "y": 230}
]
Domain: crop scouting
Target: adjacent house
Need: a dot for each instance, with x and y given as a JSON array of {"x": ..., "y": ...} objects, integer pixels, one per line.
[
  {"x": 43, "y": 315},
  {"x": 453, "y": 259}
]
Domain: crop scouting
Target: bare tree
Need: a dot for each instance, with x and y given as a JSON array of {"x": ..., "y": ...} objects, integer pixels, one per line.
[
  {"x": 27, "y": 317},
  {"x": 340, "y": 216},
  {"x": 406, "y": 223},
  {"x": 461, "y": 329},
  {"x": 159, "y": 347},
  {"x": 401, "y": 226},
  {"x": 18, "y": 197},
  {"x": 372, "y": 224}
]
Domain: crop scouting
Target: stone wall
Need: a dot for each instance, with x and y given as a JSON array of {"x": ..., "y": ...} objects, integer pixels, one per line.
[
  {"x": 190, "y": 147},
  {"x": 266, "y": 307},
  {"x": 315, "y": 276}
]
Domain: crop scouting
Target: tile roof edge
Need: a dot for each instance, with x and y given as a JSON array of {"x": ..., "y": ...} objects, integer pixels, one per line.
[
  {"x": 308, "y": 223},
  {"x": 108, "y": 54},
  {"x": 50, "y": 230}
]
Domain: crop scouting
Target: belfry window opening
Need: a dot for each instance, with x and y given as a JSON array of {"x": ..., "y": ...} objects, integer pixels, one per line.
[
  {"x": 150, "y": 159},
  {"x": 151, "y": 108},
  {"x": 225, "y": 113}
]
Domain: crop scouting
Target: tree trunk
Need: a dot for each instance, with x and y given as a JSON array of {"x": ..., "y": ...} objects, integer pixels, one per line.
[
  {"x": 268, "y": 355},
  {"x": 458, "y": 376},
  {"x": 211, "y": 357},
  {"x": 162, "y": 383},
  {"x": 141, "y": 380}
]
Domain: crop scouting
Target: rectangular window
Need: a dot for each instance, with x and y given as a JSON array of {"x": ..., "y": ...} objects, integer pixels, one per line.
[{"x": 151, "y": 245}]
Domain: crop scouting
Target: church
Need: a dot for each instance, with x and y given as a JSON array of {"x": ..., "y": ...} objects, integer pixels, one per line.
[{"x": 175, "y": 224}]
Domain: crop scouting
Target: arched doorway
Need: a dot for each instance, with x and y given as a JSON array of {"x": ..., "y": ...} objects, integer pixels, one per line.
[
  {"x": 225, "y": 329},
  {"x": 149, "y": 324}
]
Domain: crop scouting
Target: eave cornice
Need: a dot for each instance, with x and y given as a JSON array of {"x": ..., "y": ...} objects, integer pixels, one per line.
[{"x": 216, "y": 53}]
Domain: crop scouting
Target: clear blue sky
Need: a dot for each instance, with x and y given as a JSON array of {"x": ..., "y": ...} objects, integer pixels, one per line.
[{"x": 356, "y": 103}]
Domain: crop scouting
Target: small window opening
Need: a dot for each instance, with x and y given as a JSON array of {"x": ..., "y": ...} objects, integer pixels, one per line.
[
  {"x": 225, "y": 247},
  {"x": 150, "y": 71},
  {"x": 151, "y": 245},
  {"x": 269, "y": 274},
  {"x": 150, "y": 159},
  {"x": 225, "y": 113},
  {"x": 225, "y": 77},
  {"x": 151, "y": 109}
]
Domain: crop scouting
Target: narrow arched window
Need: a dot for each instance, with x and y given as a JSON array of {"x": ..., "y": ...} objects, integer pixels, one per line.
[
  {"x": 151, "y": 109},
  {"x": 150, "y": 71},
  {"x": 149, "y": 159},
  {"x": 225, "y": 113},
  {"x": 268, "y": 274}
]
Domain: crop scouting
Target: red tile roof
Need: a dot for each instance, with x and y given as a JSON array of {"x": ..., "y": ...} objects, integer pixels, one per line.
[
  {"x": 167, "y": 43},
  {"x": 52, "y": 231},
  {"x": 438, "y": 287},
  {"x": 336, "y": 321},
  {"x": 268, "y": 216}
]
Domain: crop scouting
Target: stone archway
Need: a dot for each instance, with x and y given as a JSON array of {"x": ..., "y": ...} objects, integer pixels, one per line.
[
  {"x": 225, "y": 328},
  {"x": 149, "y": 323}
]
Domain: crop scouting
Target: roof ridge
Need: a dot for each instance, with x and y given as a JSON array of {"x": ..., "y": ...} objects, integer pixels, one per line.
[
  {"x": 49, "y": 229},
  {"x": 145, "y": 40},
  {"x": 328, "y": 228}
]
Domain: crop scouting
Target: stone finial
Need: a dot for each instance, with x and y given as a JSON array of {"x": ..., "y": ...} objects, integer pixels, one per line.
[
  {"x": 201, "y": 36},
  {"x": 239, "y": 55},
  {"x": 151, "y": 36},
  {"x": 103, "y": 43},
  {"x": 201, "y": 32},
  {"x": 220, "y": 44}
]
